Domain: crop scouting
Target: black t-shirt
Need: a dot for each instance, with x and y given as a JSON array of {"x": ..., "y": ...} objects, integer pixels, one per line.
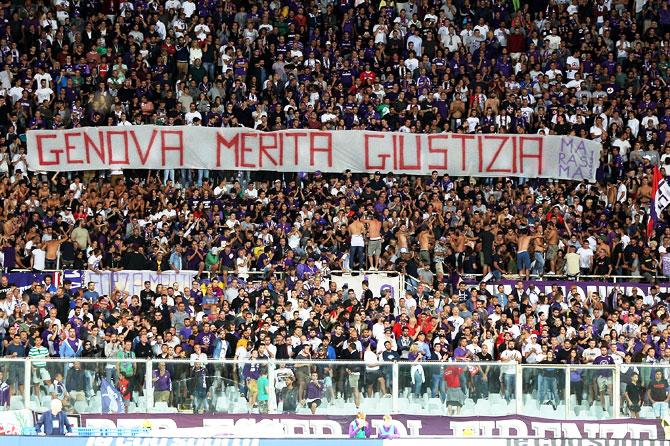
[
  {"x": 290, "y": 399},
  {"x": 601, "y": 265},
  {"x": 658, "y": 390},
  {"x": 635, "y": 392}
]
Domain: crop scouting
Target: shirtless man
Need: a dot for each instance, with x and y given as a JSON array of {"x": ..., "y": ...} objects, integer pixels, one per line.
[
  {"x": 644, "y": 191},
  {"x": 356, "y": 254},
  {"x": 424, "y": 238},
  {"x": 374, "y": 241},
  {"x": 551, "y": 237},
  {"x": 538, "y": 248},
  {"x": 522, "y": 256},
  {"x": 52, "y": 247},
  {"x": 401, "y": 235},
  {"x": 457, "y": 241}
]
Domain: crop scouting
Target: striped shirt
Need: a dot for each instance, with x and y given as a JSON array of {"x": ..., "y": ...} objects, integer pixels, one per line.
[{"x": 38, "y": 352}]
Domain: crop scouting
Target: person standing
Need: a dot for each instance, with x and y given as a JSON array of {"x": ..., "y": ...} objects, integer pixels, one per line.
[
  {"x": 54, "y": 421},
  {"x": 162, "y": 383},
  {"x": 604, "y": 376},
  {"x": 512, "y": 357},
  {"x": 289, "y": 396},
  {"x": 356, "y": 254},
  {"x": 374, "y": 241},
  {"x": 40, "y": 374},
  {"x": 634, "y": 395},
  {"x": 658, "y": 394},
  {"x": 4, "y": 393},
  {"x": 263, "y": 391}
]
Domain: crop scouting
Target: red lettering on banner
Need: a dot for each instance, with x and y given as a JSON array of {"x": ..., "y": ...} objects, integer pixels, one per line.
[
  {"x": 401, "y": 147},
  {"x": 70, "y": 147},
  {"x": 144, "y": 155},
  {"x": 263, "y": 148},
  {"x": 395, "y": 152},
  {"x": 296, "y": 145},
  {"x": 463, "y": 138},
  {"x": 444, "y": 151},
  {"x": 221, "y": 141},
  {"x": 314, "y": 149},
  {"x": 98, "y": 149},
  {"x": 110, "y": 147},
  {"x": 539, "y": 155},
  {"x": 178, "y": 148},
  {"x": 503, "y": 140},
  {"x": 382, "y": 156},
  {"x": 40, "y": 150},
  {"x": 244, "y": 149}
]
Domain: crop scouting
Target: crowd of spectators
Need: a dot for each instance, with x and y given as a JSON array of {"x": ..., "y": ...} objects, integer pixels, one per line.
[{"x": 594, "y": 68}]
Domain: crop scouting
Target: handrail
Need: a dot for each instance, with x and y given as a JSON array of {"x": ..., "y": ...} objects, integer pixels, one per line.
[{"x": 466, "y": 277}]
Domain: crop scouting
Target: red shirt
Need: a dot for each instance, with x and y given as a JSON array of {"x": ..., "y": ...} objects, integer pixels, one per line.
[{"x": 452, "y": 376}]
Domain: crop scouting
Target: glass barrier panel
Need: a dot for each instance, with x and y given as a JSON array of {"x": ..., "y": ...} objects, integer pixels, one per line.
[
  {"x": 591, "y": 392},
  {"x": 543, "y": 390},
  {"x": 13, "y": 373},
  {"x": 80, "y": 384},
  {"x": 450, "y": 388},
  {"x": 644, "y": 390},
  {"x": 274, "y": 387}
]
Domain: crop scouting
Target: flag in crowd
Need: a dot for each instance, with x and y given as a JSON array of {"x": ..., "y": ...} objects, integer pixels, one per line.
[
  {"x": 112, "y": 401},
  {"x": 660, "y": 198}
]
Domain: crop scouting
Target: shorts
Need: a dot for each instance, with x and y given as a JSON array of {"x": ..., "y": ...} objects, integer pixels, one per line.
[
  {"x": 371, "y": 376},
  {"x": 353, "y": 380},
  {"x": 552, "y": 250},
  {"x": 263, "y": 406},
  {"x": 252, "y": 385},
  {"x": 374, "y": 247},
  {"x": 316, "y": 401},
  {"x": 77, "y": 395},
  {"x": 424, "y": 255},
  {"x": 602, "y": 382},
  {"x": 522, "y": 260},
  {"x": 41, "y": 374},
  {"x": 162, "y": 396},
  {"x": 660, "y": 409},
  {"x": 455, "y": 396}
]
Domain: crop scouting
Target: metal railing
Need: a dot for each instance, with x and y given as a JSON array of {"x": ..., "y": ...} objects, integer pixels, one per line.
[{"x": 435, "y": 388}]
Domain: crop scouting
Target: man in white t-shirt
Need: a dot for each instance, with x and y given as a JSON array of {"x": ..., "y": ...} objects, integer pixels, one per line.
[
  {"x": 42, "y": 76},
  {"x": 192, "y": 114},
  {"x": 38, "y": 260},
  {"x": 572, "y": 63},
  {"x": 512, "y": 357},
  {"x": 624, "y": 145},
  {"x": 531, "y": 349},
  {"x": 188, "y": 8},
  {"x": 553, "y": 40},
  {"x": 44, "y": 93},
  {"x": 585, "y": 259}
]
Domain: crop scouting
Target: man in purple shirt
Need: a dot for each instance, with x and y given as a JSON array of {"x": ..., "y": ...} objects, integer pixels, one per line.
[
  {"x": 603, "y": 376},
  {"x": 162, "y": 384},
  {"x": 206, "y": 339}
]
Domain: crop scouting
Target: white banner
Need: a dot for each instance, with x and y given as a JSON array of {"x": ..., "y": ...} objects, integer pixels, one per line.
[
  {"x": 155, "y": 147},
  {"x": 377, "y": 282},
  {"x": 106, "y": 282},
  {"x": 662, "y": 199}
]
